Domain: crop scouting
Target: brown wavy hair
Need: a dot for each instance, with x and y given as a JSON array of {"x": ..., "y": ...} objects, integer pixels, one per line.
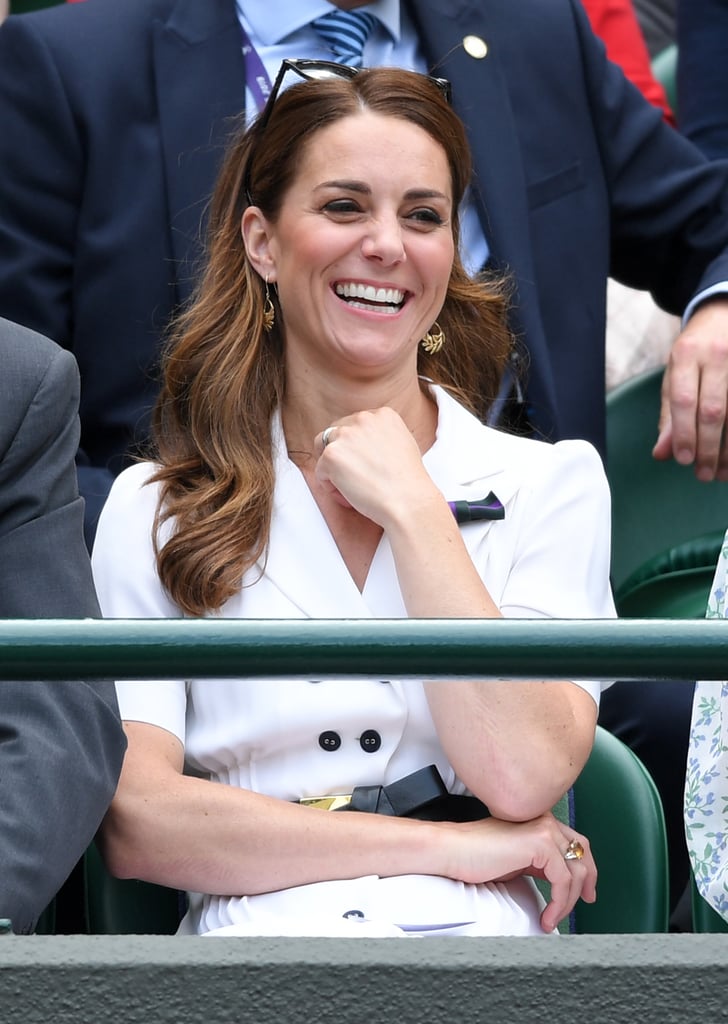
[{"x": 223, "y": 376}]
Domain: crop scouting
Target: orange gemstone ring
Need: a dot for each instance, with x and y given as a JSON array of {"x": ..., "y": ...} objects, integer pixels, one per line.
[{"x": 574, "y": 851}]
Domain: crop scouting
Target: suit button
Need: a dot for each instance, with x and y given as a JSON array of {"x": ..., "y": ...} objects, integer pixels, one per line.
[
  {"x": 329, "y": 740},
  {"x": 354, "y": 913},
  {"x": 370, "y": 741}
]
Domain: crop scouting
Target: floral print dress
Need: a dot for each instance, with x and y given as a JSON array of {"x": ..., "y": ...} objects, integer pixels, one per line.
[{"x": 706, "y": 787}]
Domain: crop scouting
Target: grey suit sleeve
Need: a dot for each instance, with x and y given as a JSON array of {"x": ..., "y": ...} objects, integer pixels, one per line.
[{"x": 61, "y": 744}]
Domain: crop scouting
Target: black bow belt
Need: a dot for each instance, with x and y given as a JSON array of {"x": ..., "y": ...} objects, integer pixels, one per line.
[{"x": 421, "y": 795}]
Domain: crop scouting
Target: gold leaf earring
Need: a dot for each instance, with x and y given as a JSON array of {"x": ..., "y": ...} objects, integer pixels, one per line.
[
  {"x": 269, "y": 310},
  {"x": 433, "y": 340}
]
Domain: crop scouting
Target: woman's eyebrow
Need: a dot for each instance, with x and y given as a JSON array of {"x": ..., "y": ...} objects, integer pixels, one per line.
[
  {"x": 349, "y": 186},
  {"x": 364, "y": 189}
]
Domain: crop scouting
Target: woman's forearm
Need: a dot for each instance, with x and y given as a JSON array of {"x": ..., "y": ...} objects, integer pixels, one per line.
[
  {"x": 518, "y": 745},
  {"x": 203, "y": 836}
]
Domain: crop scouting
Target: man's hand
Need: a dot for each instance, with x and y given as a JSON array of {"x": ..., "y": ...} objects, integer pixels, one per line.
[{"x": 694, "y": 414}]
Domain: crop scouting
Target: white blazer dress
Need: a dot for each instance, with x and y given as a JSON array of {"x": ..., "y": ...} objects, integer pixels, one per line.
[{"x": 549, "y": 557}]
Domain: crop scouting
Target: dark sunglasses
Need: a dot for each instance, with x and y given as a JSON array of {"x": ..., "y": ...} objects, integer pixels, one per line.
[{"x": 315, "y": 71}]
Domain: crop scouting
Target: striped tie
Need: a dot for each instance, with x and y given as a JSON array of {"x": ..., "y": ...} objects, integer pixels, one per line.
[{"x": 345, "y": 33}]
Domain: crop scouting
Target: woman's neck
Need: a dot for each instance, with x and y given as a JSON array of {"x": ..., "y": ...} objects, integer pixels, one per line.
[{"x": 306, "y": 412}]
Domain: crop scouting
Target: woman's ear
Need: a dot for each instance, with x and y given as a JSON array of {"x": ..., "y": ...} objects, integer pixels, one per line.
[{"x": 256, "y": 232}]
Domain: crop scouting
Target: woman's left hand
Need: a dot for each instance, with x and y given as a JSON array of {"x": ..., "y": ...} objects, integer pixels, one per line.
[{"x": 494, "y": 850}]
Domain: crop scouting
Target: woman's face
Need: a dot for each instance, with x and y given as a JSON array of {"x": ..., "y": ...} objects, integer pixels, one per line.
[{"x": 362, "y": 250}]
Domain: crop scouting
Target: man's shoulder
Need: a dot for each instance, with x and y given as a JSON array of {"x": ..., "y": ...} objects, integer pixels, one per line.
[
  {"x": 102, "y": 50},
  {"x": 70, "y": 20},
  {"x": 27, "y": 355},
  {"x": 84, "y": 35},
  {"x": 78, "y": 27},
  {"x": 30, "y": 361}
]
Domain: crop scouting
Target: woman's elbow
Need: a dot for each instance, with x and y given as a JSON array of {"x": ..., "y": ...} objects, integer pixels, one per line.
[
  {"x": 524, "y": 804},
  {"x": 520, "y": 795}
]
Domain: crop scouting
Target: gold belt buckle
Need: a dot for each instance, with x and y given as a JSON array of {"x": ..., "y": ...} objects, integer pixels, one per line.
[{"x": 327, "y": 803}]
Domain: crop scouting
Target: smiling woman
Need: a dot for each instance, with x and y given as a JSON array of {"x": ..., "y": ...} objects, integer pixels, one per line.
[
  {"x": 316, "y": 429},
  {"x": 361, "y": 264}
]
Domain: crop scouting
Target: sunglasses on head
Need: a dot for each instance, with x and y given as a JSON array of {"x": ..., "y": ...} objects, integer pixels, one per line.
[{"x": 315, "y": 71}]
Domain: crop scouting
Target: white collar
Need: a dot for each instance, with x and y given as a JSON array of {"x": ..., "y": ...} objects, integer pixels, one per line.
[{"x": 469, "y": 459}]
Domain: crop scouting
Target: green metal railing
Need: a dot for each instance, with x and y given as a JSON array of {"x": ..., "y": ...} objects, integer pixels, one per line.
[{"x": 345, "y": 648}]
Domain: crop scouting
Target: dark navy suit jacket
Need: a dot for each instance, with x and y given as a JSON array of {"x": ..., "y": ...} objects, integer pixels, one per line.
[
  {"x": 114, "y": 117},
  {"x": 702, "y": 74}
]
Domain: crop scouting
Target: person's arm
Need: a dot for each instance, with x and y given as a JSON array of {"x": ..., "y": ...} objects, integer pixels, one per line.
[
  {"x": 702, "y": 38},
  {"x": 693, "y": 424},
  {"x": 202, "y": 836},
  {"x": 61, "y": 747},
  {"x": 669, "y": 236},
  {"x": 481, "y": 724},
  {"x": 61, "y": 743}
]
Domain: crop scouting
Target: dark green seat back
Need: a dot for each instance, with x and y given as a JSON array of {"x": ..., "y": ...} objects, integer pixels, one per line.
[
  {"x": 618, "y": 808},
  {"x": 674, "y": 584},
  {"x": 705, "y": 919},
  {"x": 657, "y": 507},
  {"x": 675, "y": 595}
]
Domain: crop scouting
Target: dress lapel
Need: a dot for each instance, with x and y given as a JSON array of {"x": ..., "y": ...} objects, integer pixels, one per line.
[
  {"x": 303, "y": 561},
  {"x": 468, "y": 459}
]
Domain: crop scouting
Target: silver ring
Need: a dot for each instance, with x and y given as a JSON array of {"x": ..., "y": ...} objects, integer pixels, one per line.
[
  {"x": 326, "y": 436},
  {"x": 574, "y": 851}
]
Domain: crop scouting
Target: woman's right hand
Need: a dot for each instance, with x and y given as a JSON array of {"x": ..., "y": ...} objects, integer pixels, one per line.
[
  {"x": 372, "y": 463},
  {"x": 495, "y": 851}
]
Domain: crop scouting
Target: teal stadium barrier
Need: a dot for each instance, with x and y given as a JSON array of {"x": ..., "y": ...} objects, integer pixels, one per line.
[{"x": 163, "y": 978}]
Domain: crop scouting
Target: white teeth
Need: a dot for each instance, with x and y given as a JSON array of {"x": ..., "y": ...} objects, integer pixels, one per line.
[
  {"x": 386, "y": 296},
  {"x": 353, "y": 304}
]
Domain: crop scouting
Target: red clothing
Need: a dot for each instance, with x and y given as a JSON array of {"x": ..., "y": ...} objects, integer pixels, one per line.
[{"x": 615, "y": 22}]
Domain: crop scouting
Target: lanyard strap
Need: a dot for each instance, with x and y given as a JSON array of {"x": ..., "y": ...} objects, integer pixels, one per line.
[{"x": 256, "y": 77}]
